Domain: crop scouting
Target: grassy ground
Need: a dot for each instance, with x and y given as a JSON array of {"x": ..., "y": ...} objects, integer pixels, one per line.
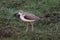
[{"x": 12, "y": 28}]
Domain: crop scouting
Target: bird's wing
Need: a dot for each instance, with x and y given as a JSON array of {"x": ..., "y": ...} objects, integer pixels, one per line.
[{"x": 31, "y": 17}]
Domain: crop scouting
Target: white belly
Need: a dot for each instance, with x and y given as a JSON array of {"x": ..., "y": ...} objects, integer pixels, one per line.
[{"x": 22, "y": 18}]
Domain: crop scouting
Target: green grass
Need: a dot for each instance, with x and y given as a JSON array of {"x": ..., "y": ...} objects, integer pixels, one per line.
[{"x": 48, "y": 28}]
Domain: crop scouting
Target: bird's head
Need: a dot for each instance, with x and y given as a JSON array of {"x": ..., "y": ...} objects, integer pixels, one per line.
[
  {"x": 21, "y": 13},
  {"x": 18, "y": 14}
]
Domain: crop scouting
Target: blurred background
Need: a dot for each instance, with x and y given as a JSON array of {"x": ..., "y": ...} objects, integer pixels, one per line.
[{"x": 12, "y": 28}]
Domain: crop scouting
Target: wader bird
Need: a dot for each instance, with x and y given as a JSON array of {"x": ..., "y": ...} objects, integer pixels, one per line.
[{"x": 27, "y": 17}]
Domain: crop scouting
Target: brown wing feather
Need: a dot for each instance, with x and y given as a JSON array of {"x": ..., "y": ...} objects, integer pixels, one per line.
[{"x": 28, "y": 17}]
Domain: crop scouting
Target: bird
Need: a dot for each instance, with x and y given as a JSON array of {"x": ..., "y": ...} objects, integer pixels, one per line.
[{"x": 27, "y": 17}]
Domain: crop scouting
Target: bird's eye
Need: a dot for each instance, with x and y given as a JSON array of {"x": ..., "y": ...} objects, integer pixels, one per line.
[{"x": 20, "y": 11}]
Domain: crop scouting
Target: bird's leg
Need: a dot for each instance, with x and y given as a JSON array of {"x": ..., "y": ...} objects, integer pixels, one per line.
[
  {"x": 27, "y": 27},
  {"x": 32, "y": 27}
]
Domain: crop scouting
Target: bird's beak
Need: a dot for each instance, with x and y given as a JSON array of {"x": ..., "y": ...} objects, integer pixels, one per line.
[{"x": 17, "y": 15}]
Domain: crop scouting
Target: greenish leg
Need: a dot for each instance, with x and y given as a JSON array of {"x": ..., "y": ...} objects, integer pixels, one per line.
[
  {"x": 27, "y": 27},
  {"x": 32, "y": 27}
]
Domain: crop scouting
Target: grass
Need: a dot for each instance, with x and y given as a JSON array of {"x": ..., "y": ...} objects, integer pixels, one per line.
[{"x": 48, "y": 28}]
